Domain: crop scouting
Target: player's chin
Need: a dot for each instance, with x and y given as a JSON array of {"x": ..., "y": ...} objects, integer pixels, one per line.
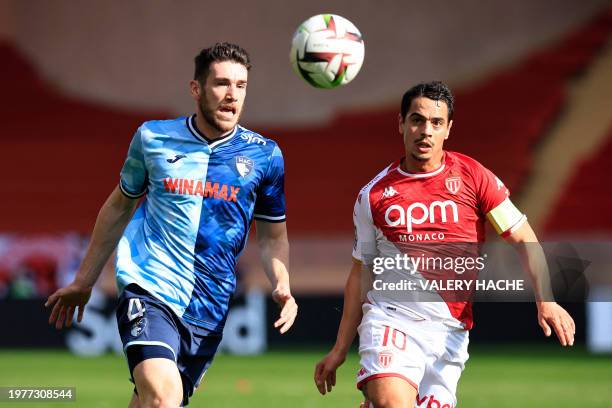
[
  {"x": 226, "y": 124},
  {"x": 420, "y": 156}
]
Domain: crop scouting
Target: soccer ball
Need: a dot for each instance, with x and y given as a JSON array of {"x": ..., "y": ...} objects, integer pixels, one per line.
[{"x": 327, "y": 51}]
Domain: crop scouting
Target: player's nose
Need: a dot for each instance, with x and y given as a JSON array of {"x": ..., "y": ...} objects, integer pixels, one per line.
[{"x": 230, "y": 92}]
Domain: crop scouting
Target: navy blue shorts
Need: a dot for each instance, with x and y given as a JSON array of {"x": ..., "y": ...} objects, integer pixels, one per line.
[{"x": 150, "y": 329}]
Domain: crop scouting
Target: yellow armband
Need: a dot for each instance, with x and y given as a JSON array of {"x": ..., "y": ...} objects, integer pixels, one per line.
[{"x": 506, "y": 218}]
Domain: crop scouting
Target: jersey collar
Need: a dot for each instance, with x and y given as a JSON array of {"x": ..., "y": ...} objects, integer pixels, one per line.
[
  {"x": 424, "y": 174},
  {"x": 191, "y": 125}
]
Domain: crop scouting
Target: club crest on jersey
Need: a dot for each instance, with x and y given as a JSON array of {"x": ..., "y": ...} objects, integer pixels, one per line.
[
  {"x": 385, "y": 358},
  {"x": 138, "y": 326},
  {"x": 244, "y": 165},
  {"x": 453, "y": 184},
  {"x": 389, "y": 192}
]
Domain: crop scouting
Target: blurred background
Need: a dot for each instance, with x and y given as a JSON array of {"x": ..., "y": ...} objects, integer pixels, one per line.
[{"x": 533, "y": 86}]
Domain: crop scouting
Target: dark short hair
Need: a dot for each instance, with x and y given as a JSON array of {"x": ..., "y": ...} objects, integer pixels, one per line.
[
  {"x": 435, "y": 90},
  {"x": 217, "y": 53}
]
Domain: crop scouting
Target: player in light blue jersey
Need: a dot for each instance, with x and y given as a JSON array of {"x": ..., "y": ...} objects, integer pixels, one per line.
[{"x": 204, "y": 178}]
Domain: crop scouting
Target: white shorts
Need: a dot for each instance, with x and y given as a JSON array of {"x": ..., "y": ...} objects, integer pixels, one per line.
[{"x": 427, "y": 354}]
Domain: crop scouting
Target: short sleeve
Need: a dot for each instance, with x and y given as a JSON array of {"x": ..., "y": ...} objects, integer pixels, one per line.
[
  {"x": 364, "y": 247},
  {"x": 492, "y": 192},
  {"x": 495, "y": 203},
  {"x": 270, "y": 203},
  {"x": 134, "y": 177}
]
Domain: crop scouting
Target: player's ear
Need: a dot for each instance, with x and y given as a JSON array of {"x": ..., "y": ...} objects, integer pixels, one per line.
[
  {"x": 450, "y": 125},
  {"x": 400, "y": 123},
  {"x": 195, "y": 89}
]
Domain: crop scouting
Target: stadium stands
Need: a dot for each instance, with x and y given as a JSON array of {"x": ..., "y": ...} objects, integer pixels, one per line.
[
  {"x": 498, "y": 121},
  {"x": 62, "y": 156},
  {"x": 590, "y": 180}
]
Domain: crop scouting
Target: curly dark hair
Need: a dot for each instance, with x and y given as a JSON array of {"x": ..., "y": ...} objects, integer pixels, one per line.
[
  {"x": 219, "y": 52},
  {"x": 435, "y": 90}
]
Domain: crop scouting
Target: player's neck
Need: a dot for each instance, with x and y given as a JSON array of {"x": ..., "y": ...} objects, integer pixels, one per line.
[
  {"x": 210, "y": 132},
  {"x": 413, "y": 165}
]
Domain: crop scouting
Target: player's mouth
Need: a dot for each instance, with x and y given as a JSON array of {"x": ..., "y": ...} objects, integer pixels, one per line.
[
  {"x": 227, "y": 111},
  {"x": 423, "y": 147}
]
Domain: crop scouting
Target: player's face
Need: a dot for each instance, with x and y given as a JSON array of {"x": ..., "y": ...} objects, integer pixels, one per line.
[
  {"x": 221, "y": 98},
  {"x": 425, "y": 128}
]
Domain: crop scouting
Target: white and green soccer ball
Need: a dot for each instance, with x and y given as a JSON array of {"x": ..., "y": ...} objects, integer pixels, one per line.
[{"x": 327, "y": 51}]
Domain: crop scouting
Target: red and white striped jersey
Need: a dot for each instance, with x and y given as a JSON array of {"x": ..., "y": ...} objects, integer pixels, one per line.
[{"x": 399, "y": 210}]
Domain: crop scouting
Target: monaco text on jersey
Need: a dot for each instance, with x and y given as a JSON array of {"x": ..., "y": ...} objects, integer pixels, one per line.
[{"x": 400, "y": 212}]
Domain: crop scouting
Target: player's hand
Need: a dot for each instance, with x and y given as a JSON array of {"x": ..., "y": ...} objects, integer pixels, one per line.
[
  {"x": 325, "y": 371},
  {"x": 286, "y": 302},
  {"x": 65, "y": 301},
  {"x": 551, "y": 314}
]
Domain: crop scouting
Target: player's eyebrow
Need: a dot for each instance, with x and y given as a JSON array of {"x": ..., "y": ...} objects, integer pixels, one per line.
[
  {"x": 418, "y": 115},
  {"x": 224, "y": 80}
]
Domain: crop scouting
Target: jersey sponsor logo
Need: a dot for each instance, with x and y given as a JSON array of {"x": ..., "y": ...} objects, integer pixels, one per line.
[
  {"x": 176, "y": 158},
  {"x": 251, "y": 138},
  {"x": 244, "y": 165},
  {"x": 431, "y": 401},
  {"x": 385, "y": 358},
  {"x": 453, "y": 184},
  {"x": 209, "y": 189},
  {"x": 417, "y": 213},
  {"x": 389, "y": 192}
]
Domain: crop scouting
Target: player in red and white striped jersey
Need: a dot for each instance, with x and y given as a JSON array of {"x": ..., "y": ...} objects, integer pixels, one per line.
[{"x": 413, "y": 352}]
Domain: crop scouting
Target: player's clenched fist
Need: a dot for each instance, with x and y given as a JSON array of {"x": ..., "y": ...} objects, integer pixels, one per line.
[{"x": 325, "y": 371}]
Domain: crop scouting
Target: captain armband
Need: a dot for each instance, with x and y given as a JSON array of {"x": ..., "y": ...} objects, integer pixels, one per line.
[{"x": 506, "y": 218}]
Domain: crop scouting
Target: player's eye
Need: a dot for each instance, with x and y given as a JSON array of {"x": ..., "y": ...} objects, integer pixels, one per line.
[
  {"x": 417, "y": 120},
  {"x": 437, "y": 122}
]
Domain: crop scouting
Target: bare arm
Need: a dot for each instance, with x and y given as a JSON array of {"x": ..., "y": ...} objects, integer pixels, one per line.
[
  {"x": 533, "y": 260},
  {"x": 534, "y": 263},
  {"x": 274, "y": 249},
  {"x": 325, "y": 371},
  {"x": 351, "y": 313},
  {"x": 112, "y": 220}
]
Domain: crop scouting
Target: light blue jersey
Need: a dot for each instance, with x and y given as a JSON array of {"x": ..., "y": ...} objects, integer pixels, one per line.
[{"x": 201, "y": 195}]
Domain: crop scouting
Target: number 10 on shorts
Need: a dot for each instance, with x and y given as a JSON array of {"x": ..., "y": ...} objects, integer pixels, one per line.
[{"x": 398, "y": 338}]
